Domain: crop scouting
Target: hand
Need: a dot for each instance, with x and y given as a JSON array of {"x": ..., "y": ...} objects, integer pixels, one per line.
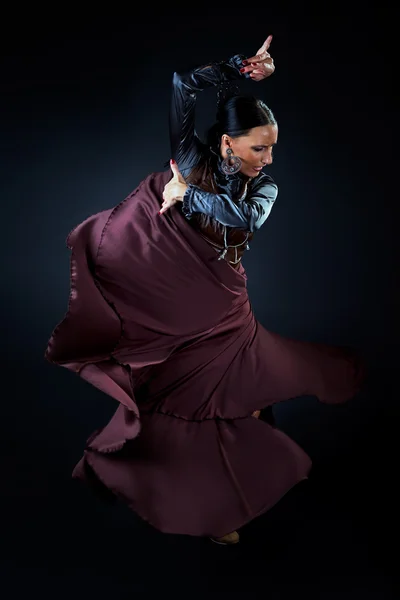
[
  {"x": 261, "y": 65},
  {"x": 174, "y": 190}
]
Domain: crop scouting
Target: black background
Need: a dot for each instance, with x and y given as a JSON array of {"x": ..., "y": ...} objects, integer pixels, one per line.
[{"x": 84, "y": 118}]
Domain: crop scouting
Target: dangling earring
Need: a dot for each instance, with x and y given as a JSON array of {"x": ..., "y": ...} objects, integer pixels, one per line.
[{"x": 231, "y": 164}]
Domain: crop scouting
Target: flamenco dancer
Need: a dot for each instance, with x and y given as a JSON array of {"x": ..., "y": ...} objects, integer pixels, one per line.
[{"x": 159, "y": 319}]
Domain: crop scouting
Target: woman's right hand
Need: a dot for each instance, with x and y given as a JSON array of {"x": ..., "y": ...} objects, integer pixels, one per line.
[{"x": 261, "y": 65}]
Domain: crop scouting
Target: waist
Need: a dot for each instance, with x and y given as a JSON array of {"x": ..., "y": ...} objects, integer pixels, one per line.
[{"x": 228, "y": 242}]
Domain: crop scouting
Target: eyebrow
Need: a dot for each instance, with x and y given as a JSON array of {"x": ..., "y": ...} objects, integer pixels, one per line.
[{"x": 264, "y": 145}]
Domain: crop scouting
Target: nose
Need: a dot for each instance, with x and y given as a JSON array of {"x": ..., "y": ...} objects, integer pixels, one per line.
[{"x": 267, "y": 157}]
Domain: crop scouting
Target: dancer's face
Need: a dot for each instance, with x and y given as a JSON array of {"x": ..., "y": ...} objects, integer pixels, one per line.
[{"x": 254, "y": 149}]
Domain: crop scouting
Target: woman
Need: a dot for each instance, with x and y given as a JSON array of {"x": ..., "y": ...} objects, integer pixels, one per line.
[{"x": 160, "y": 320}]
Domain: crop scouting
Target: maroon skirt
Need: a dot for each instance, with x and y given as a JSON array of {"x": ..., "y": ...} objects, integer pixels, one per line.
[{"x": 157, "y": 322}]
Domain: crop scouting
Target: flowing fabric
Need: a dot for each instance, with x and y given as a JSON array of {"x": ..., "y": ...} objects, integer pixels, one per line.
[{"x": 159, "y": 324}]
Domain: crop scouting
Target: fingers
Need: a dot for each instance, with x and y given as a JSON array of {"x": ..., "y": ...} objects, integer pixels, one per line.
[
  {"x": 265, "y": 65},
  {"x": 257, "y": 76},
  {"x": 174, "y": 169},
  {"x": 165, "y": 206},
  {"x": 262, "y": 54},
  {"x": 267, "y": 43},
  {"x": 167, "y": 203},
  {"x": 258, "y": 58},
  {"x": 260, "y": 72}
]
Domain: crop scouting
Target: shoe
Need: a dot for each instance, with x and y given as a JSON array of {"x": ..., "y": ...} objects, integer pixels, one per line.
[{"x": 227, "y": 540}]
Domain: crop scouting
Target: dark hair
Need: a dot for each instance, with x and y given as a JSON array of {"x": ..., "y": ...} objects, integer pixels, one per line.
[{"x": 236, "y": 116}]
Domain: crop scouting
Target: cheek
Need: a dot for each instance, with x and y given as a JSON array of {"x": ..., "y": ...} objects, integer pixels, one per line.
[{"x": 246, "y": 154}]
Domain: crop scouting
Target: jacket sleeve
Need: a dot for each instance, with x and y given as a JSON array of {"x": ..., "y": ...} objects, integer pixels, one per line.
[
  {"x": 185, "y": 144},
  {"x": 249, "y": 214}
]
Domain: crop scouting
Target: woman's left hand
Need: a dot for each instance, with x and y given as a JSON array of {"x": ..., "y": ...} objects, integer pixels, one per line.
[{"x": 174, "y": 190}]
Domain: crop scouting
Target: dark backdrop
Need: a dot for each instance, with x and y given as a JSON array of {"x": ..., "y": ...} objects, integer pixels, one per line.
[{"x": 84, "y": 119}]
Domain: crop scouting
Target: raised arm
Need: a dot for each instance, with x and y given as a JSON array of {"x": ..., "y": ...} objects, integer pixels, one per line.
[{"x": 186, "y": 147}]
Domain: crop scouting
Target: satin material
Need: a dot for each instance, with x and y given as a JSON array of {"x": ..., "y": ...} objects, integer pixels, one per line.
[{"x": 156, "y": 322}]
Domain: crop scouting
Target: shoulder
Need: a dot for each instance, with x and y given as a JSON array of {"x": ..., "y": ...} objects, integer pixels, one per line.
[
  {"x": 199, "y": 157},
  {"x": 264, "y": 185}
]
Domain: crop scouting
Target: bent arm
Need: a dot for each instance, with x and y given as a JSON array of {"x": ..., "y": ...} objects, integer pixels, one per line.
[
  {"x": 186, "y": 147},
  {"x": 250, "y": 214}
]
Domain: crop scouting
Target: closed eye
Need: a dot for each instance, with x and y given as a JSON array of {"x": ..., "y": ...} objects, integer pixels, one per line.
[{"x": 261, "y": 148}]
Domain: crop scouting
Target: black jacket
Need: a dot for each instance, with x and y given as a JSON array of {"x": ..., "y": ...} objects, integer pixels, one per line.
[{"x": 188, "y": 150}]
